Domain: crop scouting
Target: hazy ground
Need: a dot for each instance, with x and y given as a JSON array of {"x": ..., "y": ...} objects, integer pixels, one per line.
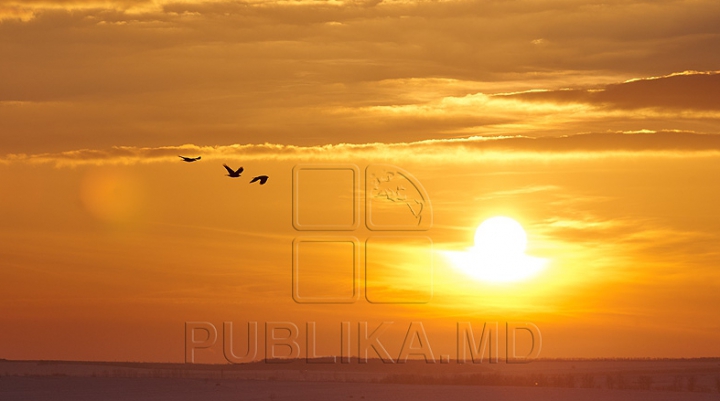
[
  {"x": 556, "y": 380},
  {"x": 101, "y": 388}
]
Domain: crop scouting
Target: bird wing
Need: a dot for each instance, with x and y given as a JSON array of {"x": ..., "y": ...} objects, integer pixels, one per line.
[
  {"x": 198, "y": 158},
  {"x": 262, "y": 178},
  {"x": 182, "y": 157},
  {"x": 230, "y": 171},
  {"x": 240, "y": 170}
]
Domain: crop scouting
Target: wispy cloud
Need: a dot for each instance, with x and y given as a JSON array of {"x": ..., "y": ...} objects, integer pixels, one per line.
[
  {"x": 684, "y": 91},
  {"x": 670, "y": 144}
]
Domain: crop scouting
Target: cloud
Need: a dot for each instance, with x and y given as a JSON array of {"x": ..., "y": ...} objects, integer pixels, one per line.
[
  {"x": 520, "y": 191},
  {"x": 96, "y": 74},
  {"x": 671, "y": 144},
  {"x": 690, "y": 90}
]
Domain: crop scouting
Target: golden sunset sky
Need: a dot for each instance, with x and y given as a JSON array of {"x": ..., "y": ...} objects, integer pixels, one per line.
[{"x": 595, "y": 125}]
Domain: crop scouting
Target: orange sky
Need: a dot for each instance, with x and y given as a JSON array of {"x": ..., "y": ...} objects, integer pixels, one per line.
[{"x": 594, "y": 125}]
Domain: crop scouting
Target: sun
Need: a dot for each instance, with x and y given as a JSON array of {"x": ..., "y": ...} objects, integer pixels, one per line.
[
  {"x": 500, "y": 236},
  {"x": 499, "y": 253}
]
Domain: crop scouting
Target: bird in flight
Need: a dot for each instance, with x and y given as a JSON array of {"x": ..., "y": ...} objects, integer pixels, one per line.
[
  {"x": 189, "y": 159},
  {"x": 262, "y": 178},
  {"x": 233, "y": 173}
]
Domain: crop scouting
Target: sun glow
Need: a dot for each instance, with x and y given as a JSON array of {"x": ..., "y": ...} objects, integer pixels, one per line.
[{"x": 499, "y": 253}]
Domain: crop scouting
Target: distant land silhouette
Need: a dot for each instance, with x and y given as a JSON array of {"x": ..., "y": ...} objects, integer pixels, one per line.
[
  {"x": 676, "y": 375},
  {"x": 299, "y": 379}
]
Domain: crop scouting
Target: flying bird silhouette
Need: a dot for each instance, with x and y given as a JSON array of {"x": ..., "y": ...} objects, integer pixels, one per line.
[
  {"x": 189, "y": 159},
  {"x": 262, "y": 178},
  {"x": 231, "y": 173}
]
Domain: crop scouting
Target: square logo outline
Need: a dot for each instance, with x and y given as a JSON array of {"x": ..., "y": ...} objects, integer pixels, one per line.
[
  {"x": 296, "y": 270},
  {"x": 432, "y": 270},
  {"x": 325, "y": 227}
]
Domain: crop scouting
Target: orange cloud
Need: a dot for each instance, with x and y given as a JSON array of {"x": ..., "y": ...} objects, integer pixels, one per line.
[
  {"x": 691, "y": 90},
  {"x": 96, "y": 74},
  {"x": 586, "y": 145}
]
